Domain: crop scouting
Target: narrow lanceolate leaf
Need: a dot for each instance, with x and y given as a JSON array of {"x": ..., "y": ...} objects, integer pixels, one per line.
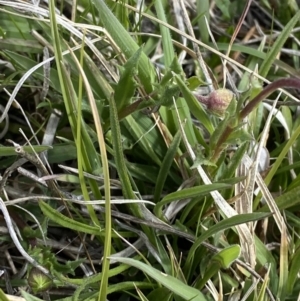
[
  {"x": 188, "y": 193},
  {"x": 293, "y": 273},
  {"x": 194, "y": 105},
  {"x": 166, "y": 165},
  {"x": 126, "y": 86},
  {"x": 67, "y": 222},
  {"x": 222, "y": 225},
  {"x": 227, "y": 256},
  {"x": 126, "y": 43},
  {"x": 118, "y": 150},
  {"x": 276, "y": 47},
  {"x": 10, "y": 150},
  {"x": 173, "y": 284},
  {"x": 169, "y": 53}
]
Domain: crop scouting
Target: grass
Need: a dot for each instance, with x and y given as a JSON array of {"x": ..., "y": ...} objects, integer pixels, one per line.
[{"x": 149, "y": 152}]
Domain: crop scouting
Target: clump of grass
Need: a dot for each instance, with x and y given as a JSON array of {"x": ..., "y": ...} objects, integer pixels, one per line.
[{"x": 149, "y": 165}]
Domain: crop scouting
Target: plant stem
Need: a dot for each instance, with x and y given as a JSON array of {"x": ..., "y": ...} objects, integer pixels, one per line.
[{"x": 280, "y": 83}]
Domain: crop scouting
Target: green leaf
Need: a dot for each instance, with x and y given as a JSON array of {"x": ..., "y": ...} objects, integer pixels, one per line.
[
  {"x": 126, "y": 43},
  {"x": 222, "y": 259},
  {"x": 67, "y": 222},
  {"x": 278, "y": 44},
  {"x": 173, "y": 284},
  {"x": 193, "y": 82},
  {"x": 188, "y": 193},
  {"x": 227, "y": 256},
  {"x": 194, "y": 105},
  {"x": 239, "y": 137},
  {"x": 224, "y": 6},
  {"x": 3, "y": 296},
  {"x": 6, "y": 151},
  {"x": 288, "y": 199},
  {"x": 24, "y": 63},
  {"x": 168, "y": 48},
  {"x": 126, "y": 86},
  {"x": 29, "y": 297},
  {"x": 166, "y": 165},
  {"x": 222, "y": 225},
  {"x": 294, "y": 271},
  {"x": 118, "y": 152},
  {"x": 201, "y": 160}
]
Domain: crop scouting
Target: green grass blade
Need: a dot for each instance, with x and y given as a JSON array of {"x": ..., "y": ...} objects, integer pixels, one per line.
[
  {"x": 118, "y": 152},
  {"x": 282, "y": 155},
  {"x": 176, "y": 286},
  {"x": 276, "y": 47},
  {"x": 126, "y": 86},
  {"x": 188, "y": 193},
  {"x": 126, "y": 43},
  {"x": 168, "y": 49},
  {"x": 6, "y": 151},
  {"x": 222, "y": 225},
  {"x": 227, "y": 256},
  {"x": 67, "y": 222},
  {"x": 294, "y": 270},
  {"x": 194, "y": 105},
  {"x": 165, "y": 166},
  {"x": 203, "y": 12}
]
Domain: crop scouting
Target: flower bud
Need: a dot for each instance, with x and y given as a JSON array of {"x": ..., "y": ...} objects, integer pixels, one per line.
[
  {"x": 217, "y": 101},
  {"x": 38, "y": 281}
]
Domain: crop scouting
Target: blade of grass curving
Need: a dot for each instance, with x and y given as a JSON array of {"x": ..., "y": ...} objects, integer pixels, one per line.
[
  {"x": 282, "y": 155},
  {"x": 186, "y": 194},
  {"x": 126, "y": 43},
  {"x": 223, "y": 259},
  {"x": 257, "y": 54},
  {"x": 86, "y": 282},
  {"x": 119, "y": 157},
  {"x": 173, "y": 284},
  {"x": 168, "y": 49},
  {"x": 222, "y": 225},
  {"x": 25, "y": 63},
  {"x": 169, "y": 55},
  {"x": 195, "y": 107},
  {"x": 108, "y": 222},
  {"x": 289, "y": 199},
  {"x": 78, "y": 134},
  {"x": 165, "y": 166},
  {"x": 126, "y": 86},
  {"x": 227, "y": 256},
  {"x": 29, "y": 297},
  {"x": 67, "y": 222},
  {"x": 294, "y": 270},
  {"x": 91, "y": 161},
  {"x": 278, "y": 44}
]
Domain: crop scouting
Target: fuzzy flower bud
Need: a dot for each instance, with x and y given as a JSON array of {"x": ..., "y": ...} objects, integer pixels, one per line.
[{"x": 217, "y": 101}]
